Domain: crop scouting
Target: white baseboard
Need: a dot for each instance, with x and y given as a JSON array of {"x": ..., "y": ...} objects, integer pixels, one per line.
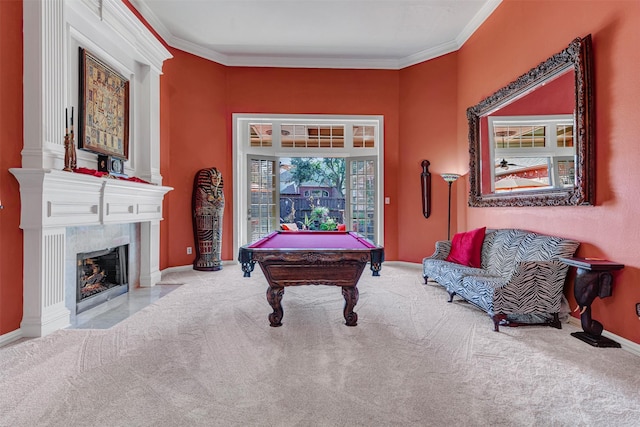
[
  {"x": 625, "y": 344},
  {"x": 416, "y": 265},
  {"x": 176, "y": 269},
  {"x": 10, "y": 337},
  {"x": 190, "y": 267}
]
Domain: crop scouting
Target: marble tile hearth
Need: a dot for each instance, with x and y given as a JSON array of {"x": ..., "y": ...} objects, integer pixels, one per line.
[{"x": 118, "y": 309}]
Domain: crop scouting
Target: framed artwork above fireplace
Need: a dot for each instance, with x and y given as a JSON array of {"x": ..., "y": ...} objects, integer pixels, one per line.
[{"x": 103, "y": 125}]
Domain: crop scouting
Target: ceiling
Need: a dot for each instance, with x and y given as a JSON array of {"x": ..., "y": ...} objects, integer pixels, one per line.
[{"x": 373, "y": 34}]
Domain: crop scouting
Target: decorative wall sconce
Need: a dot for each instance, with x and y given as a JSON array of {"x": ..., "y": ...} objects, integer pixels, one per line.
[
  {"x": 450, "y": 178},
  {"x": 425, "y": 180}
]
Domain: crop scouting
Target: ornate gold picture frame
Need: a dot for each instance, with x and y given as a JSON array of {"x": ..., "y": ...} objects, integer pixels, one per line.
[{"x": 103, "y": 125}]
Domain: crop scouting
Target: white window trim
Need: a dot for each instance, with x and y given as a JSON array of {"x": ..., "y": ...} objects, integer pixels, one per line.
[{"x": 241, "y": 150}]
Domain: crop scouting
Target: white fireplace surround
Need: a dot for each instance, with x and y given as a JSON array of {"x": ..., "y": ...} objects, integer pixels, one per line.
[{"x": 53, "y": 200}]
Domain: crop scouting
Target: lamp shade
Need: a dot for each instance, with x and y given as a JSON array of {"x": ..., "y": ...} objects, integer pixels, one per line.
[{"x": 450, "y": 177}]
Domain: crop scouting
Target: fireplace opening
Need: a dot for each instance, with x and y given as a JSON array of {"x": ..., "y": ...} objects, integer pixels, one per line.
[{"x": 102, "y": 275}]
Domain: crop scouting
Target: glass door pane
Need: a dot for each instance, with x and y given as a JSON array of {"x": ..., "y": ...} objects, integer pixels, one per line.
[
  {"x": 264, "y": 209},
  {"x": 362, "y": 196}
]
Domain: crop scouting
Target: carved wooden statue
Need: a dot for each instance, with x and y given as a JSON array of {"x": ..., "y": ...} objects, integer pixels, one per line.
[
  {"x": 208, "y": 208},
  {"x": 69, "y": 153},
  {"x": 69, "y": 144}
]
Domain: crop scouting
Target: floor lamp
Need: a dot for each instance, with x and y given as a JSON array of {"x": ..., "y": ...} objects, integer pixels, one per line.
[{"x": 450, "y": 178}]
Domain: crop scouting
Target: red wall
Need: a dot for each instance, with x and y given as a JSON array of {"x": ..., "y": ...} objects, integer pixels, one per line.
[
  {"x": 194, "y": 136},
  {"x": 428, "y": 131},
  {"x": 324, "y": 91},
  {"x": 203, "y": 95},
  {"x": 502, "y": 49},
  {"x": 11, "y": 137}
]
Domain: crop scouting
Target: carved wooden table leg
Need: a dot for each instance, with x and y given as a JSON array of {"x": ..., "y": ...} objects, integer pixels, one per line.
[
  {"x": 350, "y": 294},
  {"x": 588, "y": 286},
  {"x": 593, "y": 279},
  {"x": 274, "y": 297}
]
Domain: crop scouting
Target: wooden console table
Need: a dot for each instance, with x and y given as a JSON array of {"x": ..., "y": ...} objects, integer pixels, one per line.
[{"x": 593, "y": 279}]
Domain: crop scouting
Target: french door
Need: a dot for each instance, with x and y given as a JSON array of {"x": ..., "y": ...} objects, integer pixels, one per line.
[
  {"x": 362, "y": 196},
  {"x": 263, "y": 196}
]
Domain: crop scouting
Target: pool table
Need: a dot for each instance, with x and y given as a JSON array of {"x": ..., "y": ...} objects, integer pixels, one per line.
[{"x": 294, "y": 258}]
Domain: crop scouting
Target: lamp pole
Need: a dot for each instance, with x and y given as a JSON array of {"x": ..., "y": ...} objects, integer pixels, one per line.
[{"x": 450, "y": 178}]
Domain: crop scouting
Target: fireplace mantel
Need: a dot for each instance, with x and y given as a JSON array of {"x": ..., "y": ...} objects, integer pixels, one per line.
[{"x": 52, "y": 198}]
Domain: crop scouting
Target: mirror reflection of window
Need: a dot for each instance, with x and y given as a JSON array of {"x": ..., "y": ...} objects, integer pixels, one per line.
[
  {"x": 566, "y": 172},
  {"x": 531, "y": 152},
  {"x": 522, "y": 173}
]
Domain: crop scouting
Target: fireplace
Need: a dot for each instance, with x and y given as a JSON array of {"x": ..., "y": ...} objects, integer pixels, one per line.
[
  {"x": 101, "y": 276},
  {"x": 57, "y": 206}
]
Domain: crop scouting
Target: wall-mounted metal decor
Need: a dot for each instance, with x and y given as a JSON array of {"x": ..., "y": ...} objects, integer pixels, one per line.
[{"x": 425, "y": 181}]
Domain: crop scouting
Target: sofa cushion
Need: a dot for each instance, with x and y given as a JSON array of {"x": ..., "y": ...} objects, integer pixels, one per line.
[
  {"x": 439, "y": 268},
  {"x": 448, "y": 274},
  {"x": 538, "y": 247},
  {"x": 466, "y": 248},
  {"x": 501, "y": 258},
  {"x": 489, "y": 235}
]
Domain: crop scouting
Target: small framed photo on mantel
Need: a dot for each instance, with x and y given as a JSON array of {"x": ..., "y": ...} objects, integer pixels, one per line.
[{"x": 103, "y": 125}]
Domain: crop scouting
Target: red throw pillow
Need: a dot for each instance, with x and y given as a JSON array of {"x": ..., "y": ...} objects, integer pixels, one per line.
[
  {"x": 466, "y": 248},
  {"x": 284, "y": 227}
]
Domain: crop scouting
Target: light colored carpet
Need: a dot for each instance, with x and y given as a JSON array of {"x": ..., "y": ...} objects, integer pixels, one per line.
[{"x": 206, "y": 355}]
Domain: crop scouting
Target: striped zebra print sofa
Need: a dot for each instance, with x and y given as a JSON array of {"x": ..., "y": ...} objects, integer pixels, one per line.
[{"x": 520, "y": 276}]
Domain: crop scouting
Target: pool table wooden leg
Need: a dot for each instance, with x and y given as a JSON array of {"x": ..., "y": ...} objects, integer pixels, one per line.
[
  {"x": 274, "y": 296},
  {"x": 350, "y": 294}
]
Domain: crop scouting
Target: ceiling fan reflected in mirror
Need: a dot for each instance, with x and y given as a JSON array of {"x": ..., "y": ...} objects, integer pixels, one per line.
[{"x": 505, "y": 165}]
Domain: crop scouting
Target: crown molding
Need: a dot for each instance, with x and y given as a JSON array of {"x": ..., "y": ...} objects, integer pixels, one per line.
[
  {"x": 198, "y": 50},
  {"x": 312, "y": 62},
  {"x": 428, "y": 54},
  {"x": 144, "y": 41},
  {"x": 316, "y": 62},
  {"x": 475, "y": 23}
]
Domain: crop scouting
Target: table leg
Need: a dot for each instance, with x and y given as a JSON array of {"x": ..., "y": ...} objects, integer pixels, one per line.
[
  {"x": 587, "y": 286},
  {"x": 247, "y": 267},
  {"x": 377, "y": 257},
  {"x": 375, "y": 268},
  {"x": 274, "y": 296},
  {"x": 350, "y": 294}
]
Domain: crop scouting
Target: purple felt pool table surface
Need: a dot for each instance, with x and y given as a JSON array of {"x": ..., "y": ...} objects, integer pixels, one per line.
[
  {"x": 294, "y": 258},
  {"x": 313, "y": 240}
]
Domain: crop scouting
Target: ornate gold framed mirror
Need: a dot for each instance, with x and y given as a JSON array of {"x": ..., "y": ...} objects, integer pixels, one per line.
[{"x": 531, "y": 142}]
